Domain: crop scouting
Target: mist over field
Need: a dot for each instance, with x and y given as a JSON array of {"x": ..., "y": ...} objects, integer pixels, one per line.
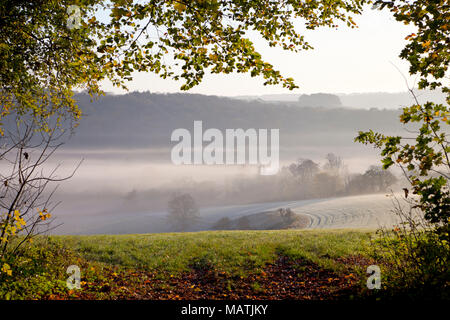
[{"x": 127, "y": 177}]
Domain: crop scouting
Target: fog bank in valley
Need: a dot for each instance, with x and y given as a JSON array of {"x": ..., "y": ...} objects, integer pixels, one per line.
[{"x": 127, "y": 172}]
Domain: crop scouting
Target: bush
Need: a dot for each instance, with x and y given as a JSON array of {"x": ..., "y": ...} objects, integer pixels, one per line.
[
  {"x": 416, "y": 258},
  {"x": 37, "y": 272}
]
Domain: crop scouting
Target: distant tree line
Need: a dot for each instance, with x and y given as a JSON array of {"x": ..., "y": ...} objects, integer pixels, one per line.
[
  {"x": 306, "y": 179},
  {"x": 301, "y": 180}
]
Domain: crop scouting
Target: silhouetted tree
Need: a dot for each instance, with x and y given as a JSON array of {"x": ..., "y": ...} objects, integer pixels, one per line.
[
  {"x": 304, "y": 169},
  {"x": 327, "y": 185},
  {"x": 223, "y": 224},
  {"x": 375, "y": 179},
  {"x": 379, "y": 178},
  {"x": 243, "y": 223},
  {"x": 183, "y": 211},
  {"x": 334, "y": 163}
]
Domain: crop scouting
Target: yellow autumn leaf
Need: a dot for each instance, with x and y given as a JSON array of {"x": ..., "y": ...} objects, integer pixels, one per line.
[
  {"x": 180, "y": 7},
  {"x": 426, "y": 44},
  {"x": 6, "y": 269}
]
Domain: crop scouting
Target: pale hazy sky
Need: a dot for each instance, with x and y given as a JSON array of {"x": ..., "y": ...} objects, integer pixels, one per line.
[{"x": 343, "y": 61}]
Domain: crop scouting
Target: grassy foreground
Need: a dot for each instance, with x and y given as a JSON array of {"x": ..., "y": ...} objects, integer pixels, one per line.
[{"x": 281, "y": 264}]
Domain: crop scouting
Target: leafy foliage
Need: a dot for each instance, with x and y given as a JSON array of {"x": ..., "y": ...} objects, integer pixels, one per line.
[
  {"x": 423, "y": 157},
  {"x": 428, "y": 49},
  {"x": 37, "y": 272},
  {"x": 425, "y": 161},
  {"x": 211, "y": 34},
  {"x": 44, "y": 57},
  {"x": 41, "y": 60},
  {"x": 418, "y": 249}
]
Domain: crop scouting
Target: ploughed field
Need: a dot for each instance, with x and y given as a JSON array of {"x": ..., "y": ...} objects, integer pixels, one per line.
[{"x": 365, "y": 211}]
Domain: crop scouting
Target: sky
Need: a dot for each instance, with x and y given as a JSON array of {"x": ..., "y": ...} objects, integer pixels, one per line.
[{"x": 343, "y": 61}]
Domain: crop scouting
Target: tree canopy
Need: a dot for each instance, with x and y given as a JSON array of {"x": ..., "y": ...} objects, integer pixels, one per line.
[
  {"x": 49, "y": 48},
  {"x": 428, "y": 50}
]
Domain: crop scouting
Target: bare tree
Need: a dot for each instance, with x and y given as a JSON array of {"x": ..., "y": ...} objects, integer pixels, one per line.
[
  {"x": 334, "y": 163},
  {"x": 25, "y": 203}
]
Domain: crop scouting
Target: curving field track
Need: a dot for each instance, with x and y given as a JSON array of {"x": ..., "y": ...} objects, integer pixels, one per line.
[{"x": 368, "y": 211}]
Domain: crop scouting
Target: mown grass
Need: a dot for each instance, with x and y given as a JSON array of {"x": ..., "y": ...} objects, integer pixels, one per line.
[{"x": 235, "y": 252}]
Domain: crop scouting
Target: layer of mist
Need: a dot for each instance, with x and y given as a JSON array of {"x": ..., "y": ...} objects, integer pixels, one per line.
[{"x": 127, "y": 178}]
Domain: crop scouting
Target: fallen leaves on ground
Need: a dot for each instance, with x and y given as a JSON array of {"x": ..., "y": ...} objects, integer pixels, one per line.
[{"x": 282, "y": 279}]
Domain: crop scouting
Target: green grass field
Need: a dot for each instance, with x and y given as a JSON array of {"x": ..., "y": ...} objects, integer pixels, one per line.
[
  {"x": 279, "y": 264},
  {"x": 236, "y": 252}
]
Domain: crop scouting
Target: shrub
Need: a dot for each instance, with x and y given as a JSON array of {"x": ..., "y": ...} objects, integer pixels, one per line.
[
  {"x": 416, "y": 258},
  {"x": 37, "y": 272}
]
